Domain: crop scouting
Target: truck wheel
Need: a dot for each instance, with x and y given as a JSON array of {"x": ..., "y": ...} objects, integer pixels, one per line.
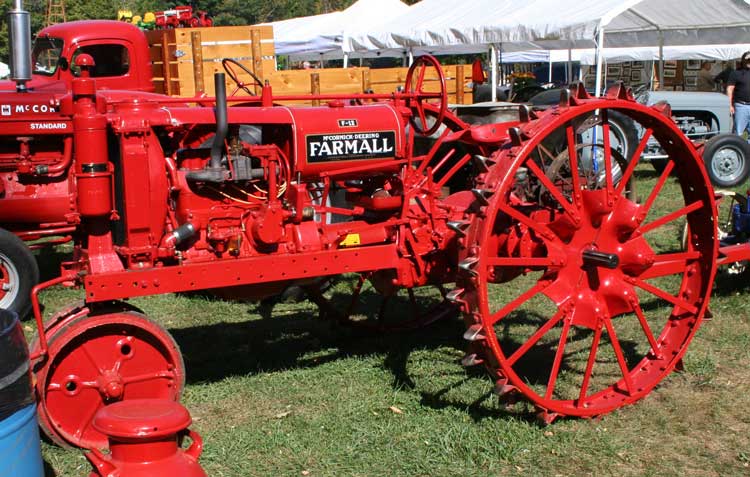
[
  {"x": 727, "y": 159},
  {"x": 19, "y": 273},
  {"x": 659, "y": 165}
]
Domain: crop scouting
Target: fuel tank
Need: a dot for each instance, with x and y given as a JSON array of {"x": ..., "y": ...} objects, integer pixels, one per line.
[{"x": 350, "y": 141}]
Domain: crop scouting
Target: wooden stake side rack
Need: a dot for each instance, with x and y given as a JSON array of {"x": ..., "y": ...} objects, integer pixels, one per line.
[{"x": 184, "y": 61}]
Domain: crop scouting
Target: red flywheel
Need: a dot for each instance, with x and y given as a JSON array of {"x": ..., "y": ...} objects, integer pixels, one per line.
[{"x": 97, "y": 360}]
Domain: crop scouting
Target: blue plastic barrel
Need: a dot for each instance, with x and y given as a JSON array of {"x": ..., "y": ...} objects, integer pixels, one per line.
[{"x": 20, "y": 452}]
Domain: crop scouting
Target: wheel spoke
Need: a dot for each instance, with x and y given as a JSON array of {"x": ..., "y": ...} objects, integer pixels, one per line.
[
  {"x": 542, "y": 229},
  {"x": 573, "y": 156},
  {"x": 558, "y": 358},
  {"x": 657, "y": 189},
  {"x": 520, "y": 262},
  {"x": 90, "y": 358},
  {"x": 618, "y": 354},
  {"x": 88, "y": 422},
  {"x": 420, "y": 79},
  {"x": 553, "y": 189},
  {"x": 664, "y": 295},
  {"x": 422, "y": 115},
  {"x": 607, "y": 155},
  {"x": 633, "y": 161},
  {"x": 520, "y": 300},
  {"x": 670, "y": 217},
  {"x": 646, "y": 328},
  {"x": 670, "y": 264},
  {"x": 538, "y": 334},
  {"x": 139, "y": 378},
  {"x": 590, "y": 364}
]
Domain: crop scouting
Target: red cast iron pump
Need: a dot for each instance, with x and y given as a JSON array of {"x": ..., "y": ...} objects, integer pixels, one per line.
[
  {"x": 248, "y": 200},
  {"x": 143, "y": 440}
]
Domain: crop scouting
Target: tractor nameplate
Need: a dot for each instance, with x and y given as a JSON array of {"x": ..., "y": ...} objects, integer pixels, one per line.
[{"x": 350, "y": 147}]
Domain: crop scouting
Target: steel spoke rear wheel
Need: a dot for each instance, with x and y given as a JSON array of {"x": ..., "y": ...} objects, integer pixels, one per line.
[{"x": 608, "y": 300}]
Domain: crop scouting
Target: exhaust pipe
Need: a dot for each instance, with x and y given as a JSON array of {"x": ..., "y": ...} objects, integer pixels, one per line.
[
  {"x": 215, "y": 172},
  {"x": 19, "y": 32},
  {"x": 222, "y": 126}
]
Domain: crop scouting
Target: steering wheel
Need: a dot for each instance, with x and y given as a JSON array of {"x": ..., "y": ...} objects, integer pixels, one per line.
[
  {"x": 228, "y": 65},
  {"x": 415, "y": 82}
]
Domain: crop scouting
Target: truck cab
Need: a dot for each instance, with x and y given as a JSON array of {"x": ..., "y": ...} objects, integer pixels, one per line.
[{"x": 119, "y": 49}]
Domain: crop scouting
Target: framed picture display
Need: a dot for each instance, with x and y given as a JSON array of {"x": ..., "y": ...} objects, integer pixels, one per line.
[
  {"x": 691, "y": 81},
  {"x": 670, "y": 64},
  {"x": 691, "y": 74},
  {"x": 635, "y": 76},
  {"x": 637, "y": 64},
  {"x": 614, "y": 70},
  {"x": 693, "y": 64},
  {"x": 670, "y": 73}
]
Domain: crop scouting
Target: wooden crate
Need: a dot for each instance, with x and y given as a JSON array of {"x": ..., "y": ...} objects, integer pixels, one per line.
[{"x": 184, "y": 59}]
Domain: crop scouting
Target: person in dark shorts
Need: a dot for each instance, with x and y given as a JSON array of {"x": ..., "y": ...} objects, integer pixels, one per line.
[{"x": 738, "y": 90}]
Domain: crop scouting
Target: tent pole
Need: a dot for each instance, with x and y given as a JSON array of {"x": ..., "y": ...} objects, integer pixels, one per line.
[
  {"x": 599, "y": 61},
  {"x": 493, "y": 72},
  {"x": 346, "y": 60},
  {"x": 411, "y": 57},
  {"x": 569, "y": 69},
  {"x": 549, "y": 76},
  {"x": 661, "y": 60}
]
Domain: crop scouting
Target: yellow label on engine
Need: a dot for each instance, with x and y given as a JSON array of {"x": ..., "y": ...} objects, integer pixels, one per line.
[{"x": 350, "y": 240}]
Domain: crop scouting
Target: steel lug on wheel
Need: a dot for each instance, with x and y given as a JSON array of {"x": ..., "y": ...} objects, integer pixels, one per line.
[
  {"x": 474, "y": 333},
  {"x": 459, "y": 227},
  {"x": 471, "y": 360},
  {"x": 468, "y": 264}
]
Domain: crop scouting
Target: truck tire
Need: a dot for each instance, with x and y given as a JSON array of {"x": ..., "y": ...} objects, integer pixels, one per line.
[
  {"x": 19, "y": 273},
  {"x": 659, "y": 165},
  {"x": 727, "y": 160}
]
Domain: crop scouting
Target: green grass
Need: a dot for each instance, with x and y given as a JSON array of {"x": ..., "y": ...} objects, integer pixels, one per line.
[{"x": 279, "y": 392}]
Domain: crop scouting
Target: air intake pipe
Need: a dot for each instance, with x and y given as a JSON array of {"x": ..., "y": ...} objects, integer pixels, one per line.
[
  {"x": 217, "y": 148},
  {"x": 19, "y": 32}
]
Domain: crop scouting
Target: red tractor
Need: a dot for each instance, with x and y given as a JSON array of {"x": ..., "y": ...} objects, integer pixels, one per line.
[
  {"x": 182, "y": 17},
  {"x": 165, "y": 197}
]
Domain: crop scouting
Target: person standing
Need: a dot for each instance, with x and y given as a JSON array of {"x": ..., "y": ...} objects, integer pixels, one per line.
[
  {"x": 738, "y": 90},
  {"x": 705, "y": 78}
]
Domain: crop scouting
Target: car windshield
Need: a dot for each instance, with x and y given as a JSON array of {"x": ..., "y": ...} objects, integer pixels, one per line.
[{"x": 46, "y": 55}]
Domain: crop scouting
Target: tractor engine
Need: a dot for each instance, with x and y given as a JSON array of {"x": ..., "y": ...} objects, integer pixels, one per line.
[
  {"x": 273, "y": 187},
  {"x": 246, "y": 182}
]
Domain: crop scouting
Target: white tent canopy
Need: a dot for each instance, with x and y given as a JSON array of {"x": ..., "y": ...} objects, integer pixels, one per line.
[
  {"x": 302, "y": 35},
  {"x": 310, "y": 37},
  {"x": 519, "y": 25},
  {"x": 618, "y": 55},
  {"x": 433, "y": 26}
]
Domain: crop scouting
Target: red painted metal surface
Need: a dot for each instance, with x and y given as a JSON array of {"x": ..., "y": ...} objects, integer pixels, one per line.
[
  {"x": 94, "y": 361},
  {"x": 158, "y": 209},
  {"x": 595, "y": 259},
  {"x": 143, "y": 440}
]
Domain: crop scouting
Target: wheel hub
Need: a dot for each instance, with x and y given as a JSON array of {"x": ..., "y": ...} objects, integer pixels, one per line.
[
  {"x": 598, "y": 260},
  {"x": 111, "y": 385},
  {"x": 728, "y": 163},
  {"x": 9, "y": 280}
]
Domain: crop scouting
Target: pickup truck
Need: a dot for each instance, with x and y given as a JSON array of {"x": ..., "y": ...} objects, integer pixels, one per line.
[{"x": 119, "y": 49}]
